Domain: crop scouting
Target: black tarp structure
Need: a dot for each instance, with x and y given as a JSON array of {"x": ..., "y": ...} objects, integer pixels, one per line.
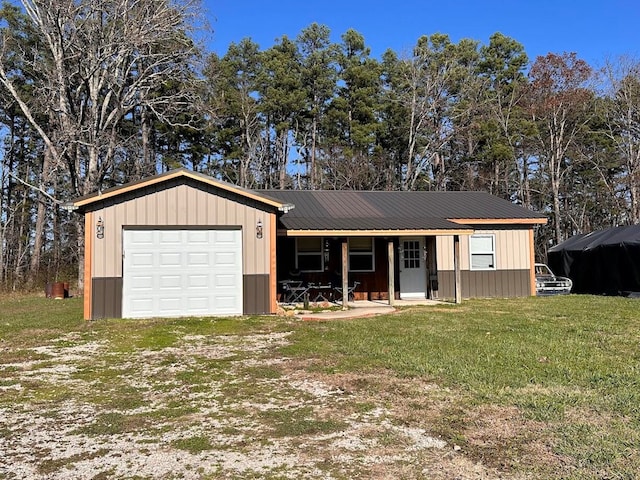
[{"x": 605, "y": 262}]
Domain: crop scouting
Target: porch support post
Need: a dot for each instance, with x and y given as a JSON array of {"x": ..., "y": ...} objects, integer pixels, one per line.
[
  {"x": 345, "y": 273},
  {"x": 432, "y": 268},
  {"x": 532, "y": 260},
  {"x": 456, "y": 266},
  {"x": 391, "y": 271}
]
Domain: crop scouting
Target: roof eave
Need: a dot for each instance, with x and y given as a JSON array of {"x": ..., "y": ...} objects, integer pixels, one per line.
[
  {"x": 500, "y": 221},
  {"x": 374, "y": 233},
  {"x": 181, "y": 172}
]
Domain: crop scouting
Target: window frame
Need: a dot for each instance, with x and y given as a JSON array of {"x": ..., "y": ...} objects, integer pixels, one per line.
[
  {"x": 371, "y": 253},
  {"x": 492, "y": 252},
  {"x": 319, "y": 253}
]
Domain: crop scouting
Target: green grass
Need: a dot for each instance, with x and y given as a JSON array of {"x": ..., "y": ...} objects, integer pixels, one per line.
[
  {"x": 492, "y": 346},
  {"x": 557, "y": 374},
  {"x": 193, "y": 445},
  {"x": 563, "y": 361},
  {"x": 299, "y": 422}
]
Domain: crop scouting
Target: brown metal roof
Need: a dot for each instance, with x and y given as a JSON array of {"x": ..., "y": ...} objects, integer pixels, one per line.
[{"x": 398, "y": 210}]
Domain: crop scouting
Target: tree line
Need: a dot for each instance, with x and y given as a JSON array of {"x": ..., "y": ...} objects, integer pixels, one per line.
[{"x": 100, "y": 92}]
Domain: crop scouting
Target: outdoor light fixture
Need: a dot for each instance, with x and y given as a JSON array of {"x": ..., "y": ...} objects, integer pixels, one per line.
[
  {"x": 259, "y": 229},
  {"x": 100, "y": 228}
]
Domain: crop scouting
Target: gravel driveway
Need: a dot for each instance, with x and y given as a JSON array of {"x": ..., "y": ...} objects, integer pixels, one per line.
[{"x": 208, "y": 407}]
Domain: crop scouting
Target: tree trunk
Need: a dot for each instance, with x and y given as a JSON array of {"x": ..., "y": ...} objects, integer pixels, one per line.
[
  {"x": 79, "y": 224},
  {"x": 39, "y": 234}
]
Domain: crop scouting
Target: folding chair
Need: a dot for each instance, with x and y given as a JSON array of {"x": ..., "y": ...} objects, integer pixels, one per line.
[
  {"x": 294, "y": 291},
  {"x": 350, "y": 290},
  {"x": 322, "y": 291}
]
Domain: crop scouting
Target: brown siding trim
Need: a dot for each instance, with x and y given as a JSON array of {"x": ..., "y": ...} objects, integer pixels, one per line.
[
  {"x": 532, "y": 266},
  {"x": 370, "y": 233},
  {"x": 256, "y": 296},
  {"x": 486, "y": 283},
  {"x": 491, "y": 221},
  {"x": 88, "y": 263},
  {"x": 273, "y": 284},
  {"x": 107, "y": 299}
]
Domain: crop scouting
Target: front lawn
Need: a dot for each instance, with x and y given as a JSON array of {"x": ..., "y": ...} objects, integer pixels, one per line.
[{"x": 519, "y": 388}]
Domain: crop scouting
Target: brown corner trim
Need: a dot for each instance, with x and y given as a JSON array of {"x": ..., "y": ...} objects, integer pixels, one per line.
[{"x": 88, "y": 265}]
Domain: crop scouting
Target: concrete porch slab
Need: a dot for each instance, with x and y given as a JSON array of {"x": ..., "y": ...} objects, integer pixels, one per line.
[{"x": 365, "y": 308}]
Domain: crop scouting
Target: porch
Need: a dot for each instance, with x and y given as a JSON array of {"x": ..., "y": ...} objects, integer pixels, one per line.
[{"x": 361, "y": 267}]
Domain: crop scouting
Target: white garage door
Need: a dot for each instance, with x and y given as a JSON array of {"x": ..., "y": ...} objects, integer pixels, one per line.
[{"x": 172, "y": 273}]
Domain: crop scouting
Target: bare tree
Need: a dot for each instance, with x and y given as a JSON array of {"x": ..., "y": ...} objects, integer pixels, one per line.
[
  {"x": 560, "y": 105},
  {"x": 623, "y": 118},
  {"x": 94, "y": 63},
  {"x": 429, "y": 85}
]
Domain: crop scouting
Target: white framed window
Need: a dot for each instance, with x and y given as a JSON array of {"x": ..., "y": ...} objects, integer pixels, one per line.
[
  {"x": 309, "y": 255},
  {"x": 482, "y": 251},
  {"x": 361, "y": 254}
]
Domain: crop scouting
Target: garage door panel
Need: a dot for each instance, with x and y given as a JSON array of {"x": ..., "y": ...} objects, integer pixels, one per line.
[
  {"x": 170, "y": 259},
  {"x": 228, "y": 281},
  {"x": 198, "y": 259},
  {"x": 141, "y": 282},
  {"x": 195, "y": 237},
  {"x": 170, "y": 306},
  {"x": 224, "y": 236},
  {"x": 226, "y": 302},
  {"x": 198, "y": 281},
  {"x": 142, "y": 305},
  {"x": 170, "y": 237},
  {"x": 142, "y": 237},
  {"x": 182, "y": 272},
  {"x": 140, "y": 259},
  {"x": 198, "y": 304},
  {"x": 226, "y": 258},
  {"x": 170, "y": 282}
]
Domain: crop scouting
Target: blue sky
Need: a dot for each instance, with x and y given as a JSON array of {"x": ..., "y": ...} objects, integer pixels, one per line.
[{"x": 595, "y": 30}]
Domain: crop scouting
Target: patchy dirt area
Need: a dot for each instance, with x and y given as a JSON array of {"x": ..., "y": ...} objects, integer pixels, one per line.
[{"x": 215, "y": 407}]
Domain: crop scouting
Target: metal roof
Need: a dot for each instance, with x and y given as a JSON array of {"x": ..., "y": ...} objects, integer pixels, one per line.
[{"x": 396, "y": 210}]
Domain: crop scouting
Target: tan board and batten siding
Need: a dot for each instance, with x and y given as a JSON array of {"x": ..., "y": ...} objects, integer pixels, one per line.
[
  {"x": 512, "y": 276},
  {"x": 181, "y": 204}
]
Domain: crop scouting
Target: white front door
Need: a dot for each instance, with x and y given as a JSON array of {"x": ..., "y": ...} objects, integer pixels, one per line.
[
  {"x": 413, "y": 276},
  {"x": 175, "y": 273}
]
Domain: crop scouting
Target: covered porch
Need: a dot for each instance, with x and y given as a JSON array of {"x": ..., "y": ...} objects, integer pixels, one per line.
[{"x": 355, "y": 266}]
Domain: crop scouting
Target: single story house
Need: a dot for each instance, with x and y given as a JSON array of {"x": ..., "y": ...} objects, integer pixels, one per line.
[{"x": 185, "y": 244}]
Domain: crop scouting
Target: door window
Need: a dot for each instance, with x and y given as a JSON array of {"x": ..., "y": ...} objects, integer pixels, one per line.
[{"x": 411, "y": 253}]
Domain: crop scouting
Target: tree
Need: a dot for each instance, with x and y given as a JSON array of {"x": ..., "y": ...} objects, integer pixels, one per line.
[
  {"x": 506, "y": 131},
  {"x": 239, "y": 137},
  {"x": 282, "y": 98},
  {"x": 560, "y": 106},
  {"x": 318, "y": 75},
  {"x": 623, "y": 121},
  {"x": 95, "y": 63},
  {"x": 436, "y": 90},
  {"x": 351, "y": 123}
]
